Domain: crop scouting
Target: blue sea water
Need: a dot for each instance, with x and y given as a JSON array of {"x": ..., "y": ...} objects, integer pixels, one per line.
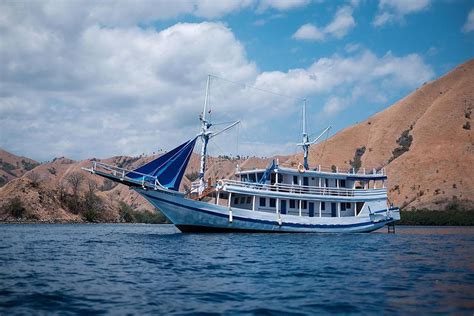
[{"x": 154, "y": 269}]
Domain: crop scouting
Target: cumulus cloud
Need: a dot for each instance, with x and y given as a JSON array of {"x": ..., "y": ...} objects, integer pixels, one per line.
[
  {"x": 391, "y": 11},
  {"x": 341, "y": 24},
  {"x": 281, "y": 5},
  {"x": 354, "y": 77},
  {"x": 469, "y": 25},
  {"x": 75, "y": 84}
]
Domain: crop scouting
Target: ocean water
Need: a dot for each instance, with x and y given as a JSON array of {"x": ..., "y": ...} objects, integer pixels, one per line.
[{"x": 154, "y": 269}]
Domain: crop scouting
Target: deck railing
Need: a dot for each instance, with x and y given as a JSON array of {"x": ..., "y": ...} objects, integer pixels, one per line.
[
  {"x": 145, "y": 180},
  {"x": 301, "y": 189},
  {"x": 337, "y": 170}
]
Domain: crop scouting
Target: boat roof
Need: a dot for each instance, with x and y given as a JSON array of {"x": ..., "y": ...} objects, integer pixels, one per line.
[{"x": 378, "y": 175}]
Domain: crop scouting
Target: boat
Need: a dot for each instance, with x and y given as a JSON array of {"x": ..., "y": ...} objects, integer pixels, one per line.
[{"x": 276, "y": 199}]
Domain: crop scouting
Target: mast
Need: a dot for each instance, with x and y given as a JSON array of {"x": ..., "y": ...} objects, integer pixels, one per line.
[
  {"x": 305, "y": 143},
  {"x": 206, "y": 134},
  {"x": 205, "y": 125}
]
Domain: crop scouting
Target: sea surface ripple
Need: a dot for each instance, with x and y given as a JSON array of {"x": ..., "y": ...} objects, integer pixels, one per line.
[{"x": 154, "y": 269}]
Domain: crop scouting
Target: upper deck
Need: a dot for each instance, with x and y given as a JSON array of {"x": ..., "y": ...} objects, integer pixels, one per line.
[{"x": 329, "y": 173}]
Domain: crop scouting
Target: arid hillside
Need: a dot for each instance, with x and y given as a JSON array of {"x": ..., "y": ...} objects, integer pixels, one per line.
[
  {"x": 61, "y": 191},
  {"x": 12, "y": 166},
  {"x": 424, "y": 141}
]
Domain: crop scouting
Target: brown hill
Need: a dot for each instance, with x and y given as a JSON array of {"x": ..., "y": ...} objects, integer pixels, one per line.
[
  {"x": 424, "y": 141},
  {"x": 12, "y": 166},
  {"x": 46, "y": 193}
]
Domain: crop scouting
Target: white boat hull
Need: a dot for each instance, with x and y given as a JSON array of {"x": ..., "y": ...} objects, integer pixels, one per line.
[{"x": 196, "y": 216}]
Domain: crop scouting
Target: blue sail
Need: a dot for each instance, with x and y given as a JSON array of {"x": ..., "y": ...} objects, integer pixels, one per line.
[
  {"x": 267, "y": 172},
  {"x": 168, "y": 168}
]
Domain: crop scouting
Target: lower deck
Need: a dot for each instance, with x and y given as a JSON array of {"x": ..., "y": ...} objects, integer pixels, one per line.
[{"x": 289, "y": 206}]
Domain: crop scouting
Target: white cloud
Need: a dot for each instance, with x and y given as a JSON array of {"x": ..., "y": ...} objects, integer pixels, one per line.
[
  {"x": 469, "y": 25},
  {"x": 281, "y": 5},
  {"x": 309, "y": 32},
  {"x": 74, "y": 87},
  {"x": 341, "y": 24},
  {"x": 351, "y": 78},
  {"x": 391, "y": 11}
]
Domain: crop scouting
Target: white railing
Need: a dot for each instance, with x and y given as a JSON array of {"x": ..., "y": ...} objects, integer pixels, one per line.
[
  {"x": 145, "y": 180},
  {"x": 337, "y": 170},
  {"x": 300, "y": 189}
]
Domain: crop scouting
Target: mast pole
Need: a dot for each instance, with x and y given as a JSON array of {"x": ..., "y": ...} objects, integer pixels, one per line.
[
  {"x": 305, "y": 143},
  {"x": 205, "y": 125}
]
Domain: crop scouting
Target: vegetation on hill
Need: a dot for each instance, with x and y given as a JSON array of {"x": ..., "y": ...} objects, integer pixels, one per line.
[
  {"x": 453, "y": 215},
  {"x": 357, "y": 162},
  {"x": 404, "y": 141}
]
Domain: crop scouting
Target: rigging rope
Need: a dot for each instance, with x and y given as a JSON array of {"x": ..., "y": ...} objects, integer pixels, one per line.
[
  {"x": 324, "y": 146},
  {"x": 259, "y": 89}
]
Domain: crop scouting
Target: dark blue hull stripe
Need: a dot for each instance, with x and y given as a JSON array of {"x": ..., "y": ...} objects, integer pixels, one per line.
[{"x": 245, "y": 219}]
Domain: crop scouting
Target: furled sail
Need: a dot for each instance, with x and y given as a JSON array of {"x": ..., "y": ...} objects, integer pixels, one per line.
[
  {"x": 268, "y": 171},
  {"x": 168, "y": 168}
]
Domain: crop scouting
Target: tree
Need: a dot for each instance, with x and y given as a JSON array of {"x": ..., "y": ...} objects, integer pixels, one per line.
[
  {"x": 35, "y": 178},
  {"x": 75, "y": 180}
]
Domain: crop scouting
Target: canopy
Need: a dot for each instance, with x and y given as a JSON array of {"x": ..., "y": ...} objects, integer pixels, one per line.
[{"x": 168, "y": 168}]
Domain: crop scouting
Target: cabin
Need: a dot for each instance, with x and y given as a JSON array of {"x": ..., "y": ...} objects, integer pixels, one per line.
[{"x": 312, "y": 193}]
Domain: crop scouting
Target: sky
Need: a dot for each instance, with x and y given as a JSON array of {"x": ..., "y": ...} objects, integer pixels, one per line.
[{"x": 86, "y": 79}]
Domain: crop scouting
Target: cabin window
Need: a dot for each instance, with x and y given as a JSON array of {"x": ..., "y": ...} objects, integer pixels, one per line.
[
  {"x": 343, "y": 207},
  {"x": 262, "y": 202},
  {"x": 244, "y": 178},
  {"x": 236, "y": 200},
  {"x": 305, "y": 181},
  {"x": 348, "y": 205},
  {"x": 295, "y": 179},
  {"x": 252, "y": 177},
  {"x": 304, "y": 204},
  {"x": 248, "y": 199},
  {"x": 272, "y": 202},
  {"x": 292, "y": 204},
  {"x": 342, "y": 183},
  {"x": 242, "y": 200},
  {"x": 259, "y": 176},
  {"x": 326, "y": 183},
  {"x": 323, "y": 206}
]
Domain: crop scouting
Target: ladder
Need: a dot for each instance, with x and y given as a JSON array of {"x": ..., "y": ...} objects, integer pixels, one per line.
[
  {"x": 391, "y": 228},
  {"x": 206, "y": 192}
]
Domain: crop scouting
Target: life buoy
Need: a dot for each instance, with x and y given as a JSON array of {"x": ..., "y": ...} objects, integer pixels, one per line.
[{"x": 301, "y": 168}]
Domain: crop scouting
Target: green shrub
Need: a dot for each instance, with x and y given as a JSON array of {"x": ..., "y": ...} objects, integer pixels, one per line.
[
  {"x": 192, "y": 176},
  {"x": 15, "y": 208},
  {"x": 29, "y": 165},
  {"x": 128, "y": 215},
  {"x": 126, "y": 212},
  {"x": 357, "y": 163},
  {"x": 453, "y": 215},
  {"x": 3, "y": 181},
  {"x": 404, "y": 143}
]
